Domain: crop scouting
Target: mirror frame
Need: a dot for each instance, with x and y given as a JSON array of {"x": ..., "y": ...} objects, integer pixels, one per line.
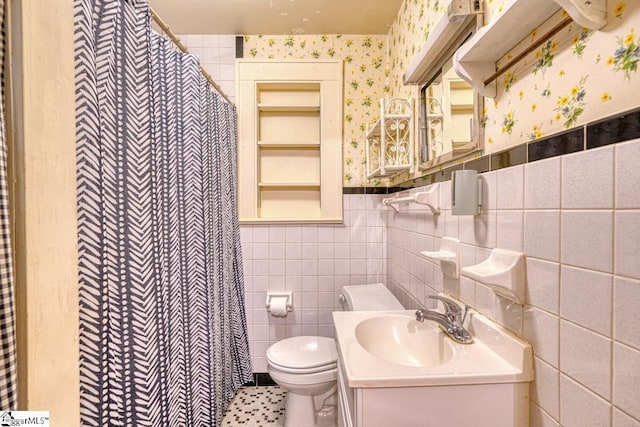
[{"x": 435, "y": 71}]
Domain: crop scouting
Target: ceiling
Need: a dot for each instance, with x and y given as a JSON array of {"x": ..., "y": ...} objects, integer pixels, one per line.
[{"x": 277, "y": 16}]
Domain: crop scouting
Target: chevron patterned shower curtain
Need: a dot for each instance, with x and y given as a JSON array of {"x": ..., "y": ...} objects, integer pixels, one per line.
[{"x": 163, "y": 331}]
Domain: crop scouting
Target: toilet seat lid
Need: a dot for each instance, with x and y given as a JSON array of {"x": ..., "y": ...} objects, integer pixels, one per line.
[{"x": 303, "y": 352}]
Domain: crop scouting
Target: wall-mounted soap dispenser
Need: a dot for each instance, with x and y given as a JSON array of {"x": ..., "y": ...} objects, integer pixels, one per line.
[{"x": 466, "y": 193}]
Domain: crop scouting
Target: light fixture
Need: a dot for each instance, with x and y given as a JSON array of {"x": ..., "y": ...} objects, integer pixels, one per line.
[{"x": 459, "y": 14}]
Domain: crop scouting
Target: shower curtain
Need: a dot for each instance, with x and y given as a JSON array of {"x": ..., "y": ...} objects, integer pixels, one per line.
[
  {"x": 163, "y": 330},
  {"x": 8, "y": 368}
]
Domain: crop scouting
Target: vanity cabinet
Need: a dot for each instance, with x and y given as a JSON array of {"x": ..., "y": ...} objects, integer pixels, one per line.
[
  {"x": 492, "y": 405},
  {"x": 290, "y": 141}
]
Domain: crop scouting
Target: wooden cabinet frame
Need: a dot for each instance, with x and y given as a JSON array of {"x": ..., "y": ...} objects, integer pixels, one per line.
[{"x": 290, "y": 141}]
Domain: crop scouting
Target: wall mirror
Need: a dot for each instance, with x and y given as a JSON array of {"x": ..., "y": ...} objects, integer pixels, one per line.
[
  {"x": 449, "y": 111},
  {"x": 449, "y": 118}
]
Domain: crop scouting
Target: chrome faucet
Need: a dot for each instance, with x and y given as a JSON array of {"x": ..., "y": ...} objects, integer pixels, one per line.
[{"x": 451, "y": 321}]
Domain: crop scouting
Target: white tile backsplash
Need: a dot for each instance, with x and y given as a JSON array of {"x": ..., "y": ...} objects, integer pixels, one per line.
[
  {"x": 485, "y": 229},
  {"x": 585, "y": 298},
  {"x": 620, "y": 419},
  {"x": 540, "y": 418},
  {"x": 627, "y": 243},
  {"x": 626, "y": 312},
  {"x": 586, "y": 357},
  {"x": 542, "y": 184},
  {"x": 543, "y": 284},
  {"x": 545, "y": 390},
  {"x": 510, "y": 188},
  {"x": 541, "y": 231},
  {"x": 627, "y": 175},
  {"x": 542, "y": 330},
  {"x": 588, "y": 187},
  {"x": 509, "y": 230},
  {"x": 579, "y": 407},
  {"x": 587, "y": 239},
  {"x": 626, "y": 378}
]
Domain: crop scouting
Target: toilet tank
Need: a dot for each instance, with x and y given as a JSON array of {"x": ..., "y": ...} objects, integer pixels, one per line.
[{"x": 371, "y": 297}]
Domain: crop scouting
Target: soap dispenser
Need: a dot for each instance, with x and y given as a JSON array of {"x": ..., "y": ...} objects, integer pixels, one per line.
[{"x": 466, "y": 193}]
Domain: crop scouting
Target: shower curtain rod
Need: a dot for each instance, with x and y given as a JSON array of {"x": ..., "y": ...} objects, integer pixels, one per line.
[{"x": 183, "y": 48}]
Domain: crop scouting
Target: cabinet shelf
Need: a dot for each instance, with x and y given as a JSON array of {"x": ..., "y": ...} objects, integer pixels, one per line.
[
  {"x": 461, "y": 107},
  {"x": 302, "y": 144},
  {"x": 388, "y": 171},
  {"x": 476, "y": 59},
  {"x": 288, "y": 185},
  {"x": 278, "y": 108}
]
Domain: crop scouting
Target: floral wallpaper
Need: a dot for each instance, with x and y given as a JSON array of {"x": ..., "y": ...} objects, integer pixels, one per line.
[
  {"x": 408, "y": 33},
  {"x": 365, "y": 82},
  {"x": 576, "y": 77}
]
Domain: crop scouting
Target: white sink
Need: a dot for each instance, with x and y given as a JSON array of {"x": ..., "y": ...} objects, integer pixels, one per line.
[
  {"x": 403, "y": 340},
  {"x": 390, "y": 349}
]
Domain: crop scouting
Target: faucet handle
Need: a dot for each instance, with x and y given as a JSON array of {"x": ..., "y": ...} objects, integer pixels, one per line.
[{"x": 450, "y": 306}]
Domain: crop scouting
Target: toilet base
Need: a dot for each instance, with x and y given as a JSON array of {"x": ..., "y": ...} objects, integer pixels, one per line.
[{"x": 300, "y": 410}]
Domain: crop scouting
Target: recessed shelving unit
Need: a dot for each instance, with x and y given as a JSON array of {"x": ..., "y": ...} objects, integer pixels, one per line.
[
  {"x": 290, "y": 146},
  {"x": 390, "y": 141}
]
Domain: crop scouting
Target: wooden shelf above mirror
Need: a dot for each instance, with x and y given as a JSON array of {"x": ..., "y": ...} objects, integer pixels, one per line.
[{"x": 475, "y": 61}]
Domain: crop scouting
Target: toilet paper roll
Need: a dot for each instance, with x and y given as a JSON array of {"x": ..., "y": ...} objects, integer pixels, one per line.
[{"x": 278, "y": 306}]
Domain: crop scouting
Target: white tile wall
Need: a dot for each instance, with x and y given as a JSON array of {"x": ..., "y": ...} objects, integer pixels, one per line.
[
  {"x": 313, "y": 262},
  {"x": 620, "y": 419},
  {"x": 627, "y": 175},
  {"x": 542, "y": 185},
  {"x": 585, "y": 298},
  {"x": 577, "y": 219},
  {"x": 590, "y": 187},
  {"x": 626, "y": 315},
  {"x": 217, "y": 55},
  {"x": 579, "y": 407},
  {"x": 626, "y": 377},
  {"x": 587, "y": 239},
  {"x": 586, "y": 357},
  {"x": 545, "y": 391},
  {"x": 627, "y": 243}
]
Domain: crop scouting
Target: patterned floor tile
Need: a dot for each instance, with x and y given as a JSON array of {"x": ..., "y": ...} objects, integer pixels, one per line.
[{"x": 256, "y": 407}]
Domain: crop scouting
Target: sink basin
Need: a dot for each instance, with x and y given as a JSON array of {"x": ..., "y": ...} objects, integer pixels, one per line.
[
  {"x": 392, "y": 349},
  {"x": 403, "y": 340}
]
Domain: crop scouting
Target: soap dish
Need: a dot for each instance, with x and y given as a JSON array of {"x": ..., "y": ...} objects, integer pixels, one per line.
[
  {"x": 503, "y": 271},
  {"x": 448, "y": 256}
]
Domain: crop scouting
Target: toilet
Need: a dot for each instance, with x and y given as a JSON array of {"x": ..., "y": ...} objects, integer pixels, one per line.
[{"x": 306, "y": 366}]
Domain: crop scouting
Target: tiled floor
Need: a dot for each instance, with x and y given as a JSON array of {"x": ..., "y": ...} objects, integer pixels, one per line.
[{"x": 256, "y": 407}]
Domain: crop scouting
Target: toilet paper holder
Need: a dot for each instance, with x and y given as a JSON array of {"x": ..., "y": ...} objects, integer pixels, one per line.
[{"x": 278, "y": 295}]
